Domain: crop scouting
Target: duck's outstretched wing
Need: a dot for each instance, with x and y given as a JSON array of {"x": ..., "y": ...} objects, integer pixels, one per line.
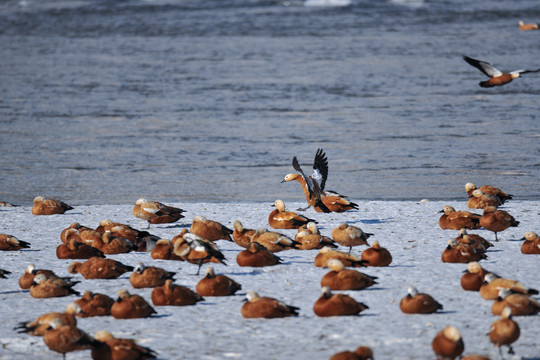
[
  {"x": 524, "y": 71},
  {"x": 483, "y": 66},
  {"x": 320, "y": 168}
]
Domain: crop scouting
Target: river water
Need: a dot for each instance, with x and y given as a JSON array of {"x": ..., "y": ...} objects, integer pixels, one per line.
[{"x": 105, "y": 102}]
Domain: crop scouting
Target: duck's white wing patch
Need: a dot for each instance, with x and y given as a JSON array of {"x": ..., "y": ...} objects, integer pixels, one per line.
[
  {"x": 483, "y": 66},
  {"x": 151, "y": 210},
  {"x": 490, "y": 69}
]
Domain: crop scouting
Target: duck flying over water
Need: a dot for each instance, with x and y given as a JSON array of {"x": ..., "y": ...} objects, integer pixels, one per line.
[
  {"x": 322, "y": 200},
  {"x": 497, "y": 77}
]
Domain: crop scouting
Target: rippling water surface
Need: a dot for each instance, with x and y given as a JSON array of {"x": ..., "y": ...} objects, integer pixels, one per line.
[{"x": 106, "y": 102}]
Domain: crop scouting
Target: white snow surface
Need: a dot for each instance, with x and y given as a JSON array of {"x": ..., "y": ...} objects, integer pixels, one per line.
[{"x": 215, "y": 329}]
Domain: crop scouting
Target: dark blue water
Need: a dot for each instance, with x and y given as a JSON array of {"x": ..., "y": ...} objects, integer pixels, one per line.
[{"x": 107, "y": 102}]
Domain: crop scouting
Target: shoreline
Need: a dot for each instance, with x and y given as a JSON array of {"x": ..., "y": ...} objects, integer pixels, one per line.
[{"x": 7, "y": 204}]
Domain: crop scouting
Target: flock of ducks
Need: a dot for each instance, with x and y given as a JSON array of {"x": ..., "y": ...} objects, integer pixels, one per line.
[
  {"x": 259, "y": 247},
  {"x": 510, "y": 296}
]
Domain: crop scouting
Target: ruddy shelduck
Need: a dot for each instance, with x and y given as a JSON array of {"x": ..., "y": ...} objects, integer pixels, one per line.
[
  {"x": 99, "y": 268},
  {"x": 216, "y": 285},
  {"x": 197, "y": 250},
  {"x": 11, "y": 243},
  {"x": 44, "y": 206},
  {"x": 531, "y": 245},
  {"x": 339, "y": 278},
  {"x": 266, "y": 307},
  {"x": 155, "y": 212},
  {"x": 504, "y": 331},
  {"x": 75, "y": 227},
  {"x": 39, "y": 326},
  {"x": 174, "y": 295},
  {"x": 137, "y": 237},
  {"x": 94, "y": 304},
  {"x": 242, "y": 236},
  {"x": 131, "y": 306},
  {"x": 492, "y": 284},
  {"x": 314, "y": 187},
  {"x": 376, "y": 255},
  {"x": 311, "y": 228},
  {"x": 473, "y": 278},
  {"x": 47, "y": 287},
  {"x": 279, "y": 218},
  {"x": 274, "y": 241},
  {"x": 149, "y": 276},
  {"x": 479, "y": 200},
  {"x": 327, "y": 253},
  {"x": 112, "y": 245},
  {"x": 329, "y": 304},
  {"x": 336, "y": 202},
  {"x": 309, "y": 241},
  {"x": 348, "y": 235},
  {"x": 418, "y": 303},
  {"x": 489, "y": 189},
  {"x": 333, "y": 201},
  {"x": 448, "y": 344},
  {"x": 83, "y": 235},
  {"x": 457, "y": 220},
  {"x": 461, "y": 253},
  {"x": 209, "y": 229},
  {"x": 26, "y": 279},
  {"x": 63, "y": 338},
  {"x": 257, "y": 255},
  {"x": 108, "y": 224},
  {"x": 112, "y": 348},
  {"x": 497, "y": 77},
  {"x": 497, "y": 220},
  {"x": 76, "y": 250},
  {"x": 521, "y": 304},
  {"x": 527, "y": 26}
]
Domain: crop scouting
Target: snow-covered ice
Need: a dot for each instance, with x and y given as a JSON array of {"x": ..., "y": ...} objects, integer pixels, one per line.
[{"x": 215, "y": 329}]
